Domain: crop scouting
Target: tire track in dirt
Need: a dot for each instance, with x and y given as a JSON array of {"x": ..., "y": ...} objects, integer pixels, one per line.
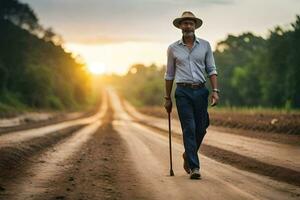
[
  {"x": 14, "y": 157},
  {"x": 102, "y": 170},
  {"x": 59, "y": 119},
  {"x": 24, "y": 155},
  {"x": 48, "y": 165}
]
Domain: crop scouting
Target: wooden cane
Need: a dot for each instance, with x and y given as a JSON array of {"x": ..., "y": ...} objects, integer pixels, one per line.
[{"x": 170, "y": 146}]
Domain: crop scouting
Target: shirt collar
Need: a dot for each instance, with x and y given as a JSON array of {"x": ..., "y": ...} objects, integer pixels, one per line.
[{"x": 181, "y": 41}]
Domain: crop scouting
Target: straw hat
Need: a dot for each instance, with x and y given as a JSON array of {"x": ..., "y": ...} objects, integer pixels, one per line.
[{"x": 187, "y": 15}]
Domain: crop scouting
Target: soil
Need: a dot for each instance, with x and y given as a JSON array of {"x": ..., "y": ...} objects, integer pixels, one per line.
[
  {"x": 241, "y": 161},
  {"x": 255, "y": 121},
  {"x": 101, "y": 170},
  {"x": 53, "y": 120}
]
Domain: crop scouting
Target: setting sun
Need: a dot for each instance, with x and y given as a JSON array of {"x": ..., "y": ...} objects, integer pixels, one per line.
[
  {"x": 118, "y": 57},
  {"x": 96, "y": 68}
]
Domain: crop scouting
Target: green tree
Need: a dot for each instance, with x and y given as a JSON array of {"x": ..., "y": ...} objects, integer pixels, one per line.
[
  {"x": 237, "y": 51},
  {"x": 18, "y": 13}
]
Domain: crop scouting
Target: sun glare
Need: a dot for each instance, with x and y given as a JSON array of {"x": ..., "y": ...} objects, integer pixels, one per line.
[
  {"x": 97, "y": 68},
  {"x": 118, "y": 57}
]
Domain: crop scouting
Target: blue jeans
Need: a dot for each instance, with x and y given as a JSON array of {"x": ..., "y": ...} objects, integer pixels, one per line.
[{"x": 191, "y": 106}]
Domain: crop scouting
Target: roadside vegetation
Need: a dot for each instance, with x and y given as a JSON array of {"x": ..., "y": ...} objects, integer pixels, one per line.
[{"x": 36, "y": 73}]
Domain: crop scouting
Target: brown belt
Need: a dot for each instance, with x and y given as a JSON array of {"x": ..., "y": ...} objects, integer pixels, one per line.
[{"x": 192, "y": 85}]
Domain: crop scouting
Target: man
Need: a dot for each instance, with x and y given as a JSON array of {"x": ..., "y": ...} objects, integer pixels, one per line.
[{"x": 189, "y": 61}]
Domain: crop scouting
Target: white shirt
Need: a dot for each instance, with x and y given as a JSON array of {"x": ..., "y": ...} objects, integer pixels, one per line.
[{"x": 190, "y": 66}]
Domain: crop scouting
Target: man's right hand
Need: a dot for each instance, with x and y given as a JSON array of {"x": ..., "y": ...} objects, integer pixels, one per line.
[{"x": 168, "y": 105}]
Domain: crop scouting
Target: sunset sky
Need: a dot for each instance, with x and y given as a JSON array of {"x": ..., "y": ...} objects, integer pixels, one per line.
[{"x": 112, "y": 35}]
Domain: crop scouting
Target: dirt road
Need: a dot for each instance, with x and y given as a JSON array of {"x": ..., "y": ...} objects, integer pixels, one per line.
[
  {"x": 275, "y": 153},
  {"x": 113, "y": 156}
]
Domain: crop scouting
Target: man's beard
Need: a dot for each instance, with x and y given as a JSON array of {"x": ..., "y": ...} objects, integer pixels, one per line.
[{"x": 188, "y": 33}]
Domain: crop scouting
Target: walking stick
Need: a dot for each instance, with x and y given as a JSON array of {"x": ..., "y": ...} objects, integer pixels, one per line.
[{"x": 170, "y": 146}]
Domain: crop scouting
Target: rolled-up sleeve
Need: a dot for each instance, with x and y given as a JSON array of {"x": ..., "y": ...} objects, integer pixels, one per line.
[
  {"x": 210, "y": 65},
  {"x": 170, "y": 68}
]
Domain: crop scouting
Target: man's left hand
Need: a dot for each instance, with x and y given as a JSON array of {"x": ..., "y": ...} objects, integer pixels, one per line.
[{"x": 214, "y": 99}]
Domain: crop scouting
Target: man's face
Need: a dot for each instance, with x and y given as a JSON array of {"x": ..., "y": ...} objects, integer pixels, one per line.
[{"x": 188, "y": 27}]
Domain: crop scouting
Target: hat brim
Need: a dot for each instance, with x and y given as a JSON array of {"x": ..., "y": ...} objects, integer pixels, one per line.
[{"x": 177, "y": 21}]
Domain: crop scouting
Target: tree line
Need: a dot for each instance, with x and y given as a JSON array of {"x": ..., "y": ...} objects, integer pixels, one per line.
[
  {"x": 35, "y": 71},
  {"x": 256, "y": 71}
]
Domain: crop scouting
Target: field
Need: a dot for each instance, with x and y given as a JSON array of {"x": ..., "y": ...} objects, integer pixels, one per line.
[{"x": 264, "y": 120}]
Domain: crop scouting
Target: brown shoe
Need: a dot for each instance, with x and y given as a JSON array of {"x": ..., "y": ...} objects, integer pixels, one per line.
[{"x": 185, "y": 164}]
